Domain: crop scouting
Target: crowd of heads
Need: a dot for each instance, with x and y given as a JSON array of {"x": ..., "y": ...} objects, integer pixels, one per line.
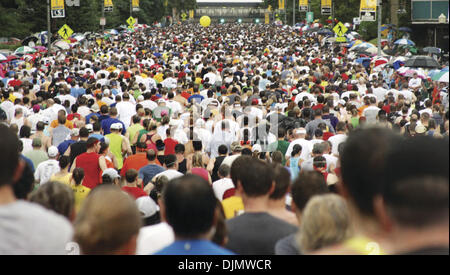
[{"x": 207, "y": 130}]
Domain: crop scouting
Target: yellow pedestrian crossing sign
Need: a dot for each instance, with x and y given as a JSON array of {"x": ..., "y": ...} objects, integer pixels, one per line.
[
  {"x": 65, "y": 32},
  {"x": 340, "y": 29},
  {"x": 131, "y": 21}
]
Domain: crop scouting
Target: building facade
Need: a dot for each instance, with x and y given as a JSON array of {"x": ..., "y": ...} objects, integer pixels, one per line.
[{"x": 430, "y": 26}]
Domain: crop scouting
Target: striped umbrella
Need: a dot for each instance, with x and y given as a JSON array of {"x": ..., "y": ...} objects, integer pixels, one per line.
[
  {"x": 441, "y": 77},
  {"x": 380, "y": 61},
  {"x": 24, "y": 50}
]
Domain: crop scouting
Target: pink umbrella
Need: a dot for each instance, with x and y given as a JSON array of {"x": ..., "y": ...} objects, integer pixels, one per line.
[
  {"x": 411, "y": 72},
  {"x": 41, "y": 48}
]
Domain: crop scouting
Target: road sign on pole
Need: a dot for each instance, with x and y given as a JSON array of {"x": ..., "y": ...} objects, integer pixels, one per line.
[{"x": 65, "y": 32}]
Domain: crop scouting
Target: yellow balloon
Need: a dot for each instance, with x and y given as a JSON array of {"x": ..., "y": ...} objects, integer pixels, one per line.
[{"x": 205, "y": 21}]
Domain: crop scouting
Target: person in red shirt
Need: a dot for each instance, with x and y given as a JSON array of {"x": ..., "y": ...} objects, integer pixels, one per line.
[
  {"x": 131, "y": 187},
  {"x": 320, "y": 102},
  {"x": 92, "y": 163},
  {"x": 136, "y": 161},
  {"x": 170, "y": 143},
  {"x": 125, "y": 73},
  {"x": 15, "y": 82}
]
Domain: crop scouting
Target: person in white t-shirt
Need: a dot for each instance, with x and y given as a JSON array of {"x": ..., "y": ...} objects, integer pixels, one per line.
[
  {"x": 47, "y": 168},
  {"x": 415, "y": 83},
  {"x": 337, "y": 139},
  {"x": 171, "y": 164},
  {"x": 224, "y": 184}
]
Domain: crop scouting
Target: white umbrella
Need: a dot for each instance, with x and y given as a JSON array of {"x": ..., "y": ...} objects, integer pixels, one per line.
[
  {"x": 63, "y": 45},
  {"x": 2, "y": 57}
]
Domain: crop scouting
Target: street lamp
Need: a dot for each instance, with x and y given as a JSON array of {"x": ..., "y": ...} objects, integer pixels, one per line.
[{"x": 239, "y": 20}]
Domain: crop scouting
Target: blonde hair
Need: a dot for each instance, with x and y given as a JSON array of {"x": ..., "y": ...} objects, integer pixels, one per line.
[
  {"x": 197, "y": 160},
  {"x": 107, "y": 220},
  {"x": 325, "y": 221}
]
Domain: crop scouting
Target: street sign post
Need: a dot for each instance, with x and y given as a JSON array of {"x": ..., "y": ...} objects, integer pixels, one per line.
[
  {"x": 326, "y": 7},
  {"x": 57, "y": 9},
  {"x": 310, "y": 17}
]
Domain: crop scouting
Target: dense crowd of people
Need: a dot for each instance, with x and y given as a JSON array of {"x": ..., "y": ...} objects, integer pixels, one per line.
[{"x": 233, "y": 139}]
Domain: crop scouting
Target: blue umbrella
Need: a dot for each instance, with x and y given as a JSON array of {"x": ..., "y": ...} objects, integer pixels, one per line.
[
  {"x": 445, "y": 69},
  {"x": 405, "y": 29},
  {"x": 158, "y": 55},
  {"x": 325, "y": 32},
  {"x": 362, "y": 60},
  {"x": 404, "y": 41}
]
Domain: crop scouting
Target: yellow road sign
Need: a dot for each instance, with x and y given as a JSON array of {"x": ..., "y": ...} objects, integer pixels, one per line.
[
  {"x": 108, "y": 3},
  {"x": 131, "y": 21},
  {"x": 65, "y": 32},
  {"x": 340, "y": 29}
]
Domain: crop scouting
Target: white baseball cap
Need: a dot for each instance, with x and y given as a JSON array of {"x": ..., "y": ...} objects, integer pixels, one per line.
[
  {"x": 53, "y": 151},
  {"x": 116, "y": 126},
  {"x": 112, "y": 173},
  {"x": 146, "y": 206}
]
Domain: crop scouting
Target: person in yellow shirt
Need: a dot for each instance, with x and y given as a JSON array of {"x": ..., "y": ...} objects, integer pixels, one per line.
[
  {"x": 159, "y": 77},
  {"x": 232, "y": 207},
  {"x": 79, "y": 191},
  {"x": 55, "y": 123},
  {"x": 63, "y": 176}
]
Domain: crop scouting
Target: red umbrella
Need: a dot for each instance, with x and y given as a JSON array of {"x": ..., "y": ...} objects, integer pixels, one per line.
[
  {"x": 72, "y": 40},
  {"x": 11, "y": 57},
  {"x": 316, "y": 60},
  {"x": 381, "y": 61}
]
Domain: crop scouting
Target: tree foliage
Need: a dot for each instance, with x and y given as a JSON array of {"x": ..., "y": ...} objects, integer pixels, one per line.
[{"x": 20, "y": 18}]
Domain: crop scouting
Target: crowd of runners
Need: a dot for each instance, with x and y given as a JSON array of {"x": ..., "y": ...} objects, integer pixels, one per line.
[{"x": 232, "y": 139}]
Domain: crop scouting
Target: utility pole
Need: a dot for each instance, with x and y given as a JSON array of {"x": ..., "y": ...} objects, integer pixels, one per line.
[
  {"x": 293, "y": 13},
  {"x": 131, "y": 8},
  {"x": 332, "y": 14},
  {"x": 49, "y": 29},
  {"x": 103, "y": 14},
  {"x": 379, "y": 26}
]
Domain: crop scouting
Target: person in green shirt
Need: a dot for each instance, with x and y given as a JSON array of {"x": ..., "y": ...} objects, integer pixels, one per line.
[
  {"x": 280, "y": 145},
  {"x": 133, "y": 130},
  {"x": 118, "y": 144},
  {"x": 36, "y": 155}
]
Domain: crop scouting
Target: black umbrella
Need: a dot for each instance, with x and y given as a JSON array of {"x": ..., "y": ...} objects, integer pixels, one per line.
[
  {"x": 315, "y": 29},
  {"x": 30, "y": 41},
  {"x": 432, "y": 50},
  {"x": 421, "y": 61},
  {"x": 405, "y": 29},
  {"x": 325, "y": 32}
]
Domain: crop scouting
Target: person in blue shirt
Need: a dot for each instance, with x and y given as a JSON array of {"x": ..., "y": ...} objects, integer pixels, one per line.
[
  {"x": 95, "y": 112},
  {"x": 189, "y": 207},
  {"x": 106, "y": 123}
]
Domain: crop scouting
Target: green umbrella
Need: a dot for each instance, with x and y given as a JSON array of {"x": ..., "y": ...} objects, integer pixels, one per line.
[{"x": 24, "y": 50}]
